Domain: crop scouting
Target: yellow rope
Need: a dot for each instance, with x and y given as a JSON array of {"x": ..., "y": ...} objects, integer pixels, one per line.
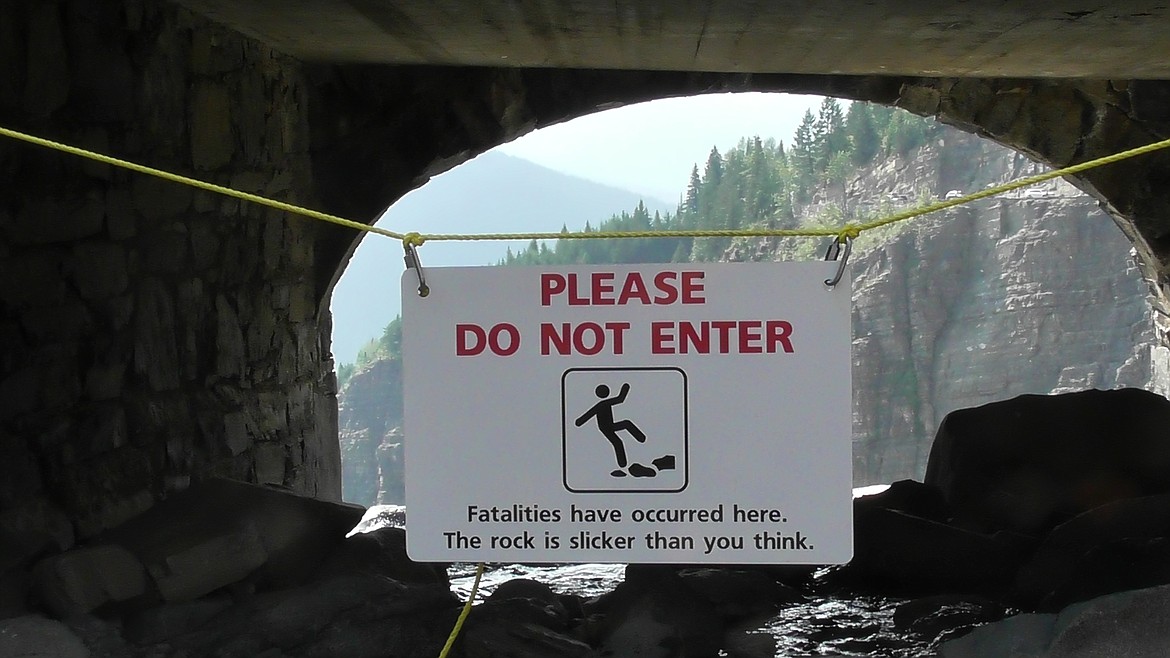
[
  {"x": 194, "y": 182},
  {"x": 463, "y": 615},
  {"x": 417, "y": 239}
]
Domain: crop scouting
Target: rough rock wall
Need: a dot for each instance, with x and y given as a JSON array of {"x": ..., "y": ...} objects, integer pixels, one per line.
[
  {"x": 152, "y": 334},
  {"x": 370, "y": 413},
  {"x": 984, "y": 302}
]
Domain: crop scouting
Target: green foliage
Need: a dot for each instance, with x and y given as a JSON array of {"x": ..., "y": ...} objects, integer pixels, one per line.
[
  {"x": 758, "y": 183},
  {"x": 389, "y": 346}
]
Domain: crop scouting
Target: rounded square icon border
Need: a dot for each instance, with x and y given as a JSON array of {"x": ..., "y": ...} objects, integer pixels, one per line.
[{"x": 686, "y": 431}]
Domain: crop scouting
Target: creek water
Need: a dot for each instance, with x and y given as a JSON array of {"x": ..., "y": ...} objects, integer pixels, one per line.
[
  {"x": 829, "y": 625},
  {"x": 825, "y": 625}
]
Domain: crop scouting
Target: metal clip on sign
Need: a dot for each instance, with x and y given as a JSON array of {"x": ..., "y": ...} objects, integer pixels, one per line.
[
  {"x": 834, "y": 253},
  {"x": 412, "y": 262}
]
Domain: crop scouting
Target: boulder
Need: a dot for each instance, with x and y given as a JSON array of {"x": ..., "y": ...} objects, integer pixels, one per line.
[
  {"x": 1126, "y": 624},
  {"x": 739, "y": 593},
  {"x": 351, "y": 616},
  {"x": 160, "y": 624},
  {"x": 1021, "y": 636},
  {"x": 521, "y": 641},
  {"x": 84, "y": 579},
  {"x": 382, "y": 552},
  {"x": 914, "y": 498},
  {"x": 1107, "y": 549},
  {"x": 946, "y": 615},
  {"x": 526, "y": 588},
  {"x": 32, "y": 636},
  {"x": 654, "y": 614},
  {"x": 525, "y": 621},
  {"x": 749, "y": 639},
  {"x": 1122, "y": 565},
  {"x": 218, "y": 532},
  {"x": 1032, "y": 462},
  {"x": 903, "y": 554}
]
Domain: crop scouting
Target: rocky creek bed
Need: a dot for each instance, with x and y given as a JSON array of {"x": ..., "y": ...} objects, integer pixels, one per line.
[{"x": 1042, "y": 528}]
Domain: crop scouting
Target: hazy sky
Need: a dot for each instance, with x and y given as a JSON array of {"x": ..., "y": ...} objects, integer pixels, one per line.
[
  {"x": 647, "y": 148},
  {"x": 650, "y": 147}
]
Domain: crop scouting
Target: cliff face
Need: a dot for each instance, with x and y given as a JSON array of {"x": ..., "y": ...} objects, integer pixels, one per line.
[
  {"x": 1011, "y": 295},
  {"x": 1021, "y": 293},
  {"x": 370, "y": 421}
]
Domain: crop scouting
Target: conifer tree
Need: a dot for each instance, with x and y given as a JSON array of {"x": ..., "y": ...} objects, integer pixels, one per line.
[
  {"x": 801, "y": 157},
  {"x": 863, "y": 135}
]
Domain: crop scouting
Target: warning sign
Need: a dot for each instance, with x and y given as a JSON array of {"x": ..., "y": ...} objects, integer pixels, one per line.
[{"x": 653, "y": 413}]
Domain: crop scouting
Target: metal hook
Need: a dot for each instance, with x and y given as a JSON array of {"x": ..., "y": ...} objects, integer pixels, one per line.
[
  {"x": 834, "y": 253},
  {"x": 412, "y": 262}
]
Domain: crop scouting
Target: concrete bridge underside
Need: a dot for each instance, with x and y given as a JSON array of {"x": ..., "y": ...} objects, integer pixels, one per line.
[{"x": 153, "y": 334}]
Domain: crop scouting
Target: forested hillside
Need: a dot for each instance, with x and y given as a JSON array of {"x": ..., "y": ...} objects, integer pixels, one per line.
[{"x": 759, "y": 182}]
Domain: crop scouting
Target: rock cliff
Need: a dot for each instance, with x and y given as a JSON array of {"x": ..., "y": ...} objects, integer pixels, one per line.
[
  {"x": 370, "y": 421},
  {"x": 1026, "y": 292}
]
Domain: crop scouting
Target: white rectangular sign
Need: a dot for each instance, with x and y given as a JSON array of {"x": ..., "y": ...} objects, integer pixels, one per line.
[{"x": 675, "y": 413}]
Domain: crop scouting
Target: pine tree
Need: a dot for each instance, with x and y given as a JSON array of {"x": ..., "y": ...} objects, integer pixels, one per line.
[
  {"x": 829, "y": 136},
  {"x": 800, "y": 159},
  {"x": 690, "y": 207},
  {"x": 863, "y": 135}
]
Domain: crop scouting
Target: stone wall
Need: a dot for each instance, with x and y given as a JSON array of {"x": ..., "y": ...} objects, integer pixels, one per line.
[{"x": 153, "y": 334}]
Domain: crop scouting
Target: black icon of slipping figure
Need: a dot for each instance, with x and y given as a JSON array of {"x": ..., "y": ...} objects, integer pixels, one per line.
[{"x": 603, "y": 412}]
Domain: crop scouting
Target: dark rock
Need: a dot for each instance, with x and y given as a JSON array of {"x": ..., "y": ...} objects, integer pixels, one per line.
[
  {"x": 14, "y": 593},
  {"x": 936, "y": 616},
  {"x": 1061, "y": 560},
  {"x": 36, "y": 637},
  {"x": 219, "y": 531},
  {"x": 1126, "y": 624},
  {"x": 739, "y": 593},
  {"x": 1121, "y": 565},
  {"x": 521, "y": 641},
  {"x": 654, "y": 613},
  {"x": 525, "y": 588},
  {"x": 382, "y": 552},
  {"x": 749, "y": 639},
  {"x": 159, "y": 624},
  {"x": 1033, "y": 462},
  {"x": 1023, "y": 636},
  {"x": 346, "y": 615},
  {"x": 83, "y": 579},
  {"x": 519, "y": 610},
  {"x": 47, "y": 80},
  {"x": 33, "y": 528},
  {"x": 914, "y": 498},
  {"x": 904, "y": 554}
]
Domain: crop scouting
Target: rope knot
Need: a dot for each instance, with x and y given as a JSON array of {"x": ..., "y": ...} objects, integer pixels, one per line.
[
  {"x": 849, "y": 232},
  {"x": 413, "y": 239}
]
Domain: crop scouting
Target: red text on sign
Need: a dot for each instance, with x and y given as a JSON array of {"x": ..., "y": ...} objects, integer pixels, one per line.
[
  {"x": 607, "y": 289},
  {"x": 586, "y": 338},
  {"x": 471, "y": 339},
  {"x": 721, "y": 337}
]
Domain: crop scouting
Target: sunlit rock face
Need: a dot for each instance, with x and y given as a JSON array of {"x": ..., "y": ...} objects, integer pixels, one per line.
[
  {"x": 370, "y": 413},
  {"x": 1035, "y": 293}
]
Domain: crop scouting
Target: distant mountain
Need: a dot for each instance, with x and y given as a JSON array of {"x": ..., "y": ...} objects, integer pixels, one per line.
[{"x": 492, "y": 193}]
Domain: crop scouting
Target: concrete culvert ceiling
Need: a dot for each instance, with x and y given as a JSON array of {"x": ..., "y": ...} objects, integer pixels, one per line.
[{"x": 1089, "y": 39}]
